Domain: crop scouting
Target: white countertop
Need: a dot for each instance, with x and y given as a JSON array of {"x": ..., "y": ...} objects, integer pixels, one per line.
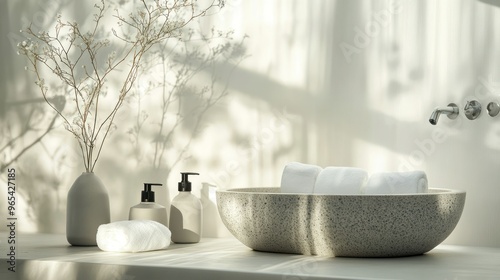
[{"x": 44, "y": 256}]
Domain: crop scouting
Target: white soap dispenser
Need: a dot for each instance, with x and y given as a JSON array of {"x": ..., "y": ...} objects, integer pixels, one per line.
[
  {"x": 186, "y": 213},
  {"x": 148, "y": 209}
]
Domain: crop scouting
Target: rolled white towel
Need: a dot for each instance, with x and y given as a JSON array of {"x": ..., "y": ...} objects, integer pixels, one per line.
[
  {"x": 340, "y": 180},
  {"x": 396, "y": 183},
  {"x": 133, "y": 236},
  {"x": 299, "y": 177}
]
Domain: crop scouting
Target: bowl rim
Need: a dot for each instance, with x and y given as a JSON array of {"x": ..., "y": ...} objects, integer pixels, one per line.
[{"x": 435, "y": 191}]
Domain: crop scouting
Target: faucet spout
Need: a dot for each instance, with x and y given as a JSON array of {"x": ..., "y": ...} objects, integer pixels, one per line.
[{"x": 451, "y": 111}]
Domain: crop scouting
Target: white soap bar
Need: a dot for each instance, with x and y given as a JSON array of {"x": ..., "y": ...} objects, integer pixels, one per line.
[{"x": 133, "y": 236}]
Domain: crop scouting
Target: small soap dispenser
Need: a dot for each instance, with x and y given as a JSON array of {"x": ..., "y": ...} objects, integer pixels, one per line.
[
  {"x": 148, "y": 209},
  {"x": 186, "y": 213}
]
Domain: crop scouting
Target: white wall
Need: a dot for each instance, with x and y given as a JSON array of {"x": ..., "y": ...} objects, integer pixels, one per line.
[{"x": 315, "y": 88}]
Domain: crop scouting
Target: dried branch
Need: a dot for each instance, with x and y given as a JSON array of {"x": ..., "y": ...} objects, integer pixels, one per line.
[{"x": 74, "y": 57}]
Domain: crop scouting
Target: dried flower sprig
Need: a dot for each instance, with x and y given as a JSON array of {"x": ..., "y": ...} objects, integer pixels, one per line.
[{"x": 85, "y": 61}]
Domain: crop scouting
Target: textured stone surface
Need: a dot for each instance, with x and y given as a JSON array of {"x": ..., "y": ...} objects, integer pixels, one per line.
[{"x": 340, "y": 225}]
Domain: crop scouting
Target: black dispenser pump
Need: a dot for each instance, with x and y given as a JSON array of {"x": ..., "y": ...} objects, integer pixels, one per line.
[
  {"x": 147, "y": 195},
  {"x": 185, "y": 185}
]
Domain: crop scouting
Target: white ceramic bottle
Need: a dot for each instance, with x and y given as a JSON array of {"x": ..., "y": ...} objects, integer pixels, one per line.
[
  {"x": 186, "y": 214},
  {"x": 148, "y": 209}
]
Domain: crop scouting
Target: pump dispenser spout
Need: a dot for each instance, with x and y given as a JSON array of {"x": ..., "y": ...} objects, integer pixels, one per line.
[
  {"x": 147, "y": 195},
  {"x": 185, "y": 185}
]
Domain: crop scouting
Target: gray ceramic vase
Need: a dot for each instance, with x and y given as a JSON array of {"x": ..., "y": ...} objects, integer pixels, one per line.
[{"x": 87, "y": 209}]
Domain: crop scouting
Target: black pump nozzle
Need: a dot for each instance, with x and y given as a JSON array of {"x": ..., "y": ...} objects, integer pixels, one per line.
[
  {"x": 185, "y": 185},
  {"x": 147, "y": 195}
]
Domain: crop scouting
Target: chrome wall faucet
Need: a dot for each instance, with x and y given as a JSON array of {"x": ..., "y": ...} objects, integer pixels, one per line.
[{"x": 451, "y": 111}]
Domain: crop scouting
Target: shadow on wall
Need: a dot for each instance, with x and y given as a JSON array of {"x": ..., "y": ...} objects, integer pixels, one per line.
[
  {"x": 25, "y": 121},
  {"x": 182, "y": 92}
]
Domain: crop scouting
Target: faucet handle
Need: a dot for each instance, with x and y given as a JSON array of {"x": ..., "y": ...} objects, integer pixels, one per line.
[
  {"x": 472, "y": 109},
  {"x": 493, "y": 108}
]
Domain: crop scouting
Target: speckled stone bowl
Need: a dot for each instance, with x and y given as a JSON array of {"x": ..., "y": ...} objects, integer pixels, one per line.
[{"x": 340, "y": 225}]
